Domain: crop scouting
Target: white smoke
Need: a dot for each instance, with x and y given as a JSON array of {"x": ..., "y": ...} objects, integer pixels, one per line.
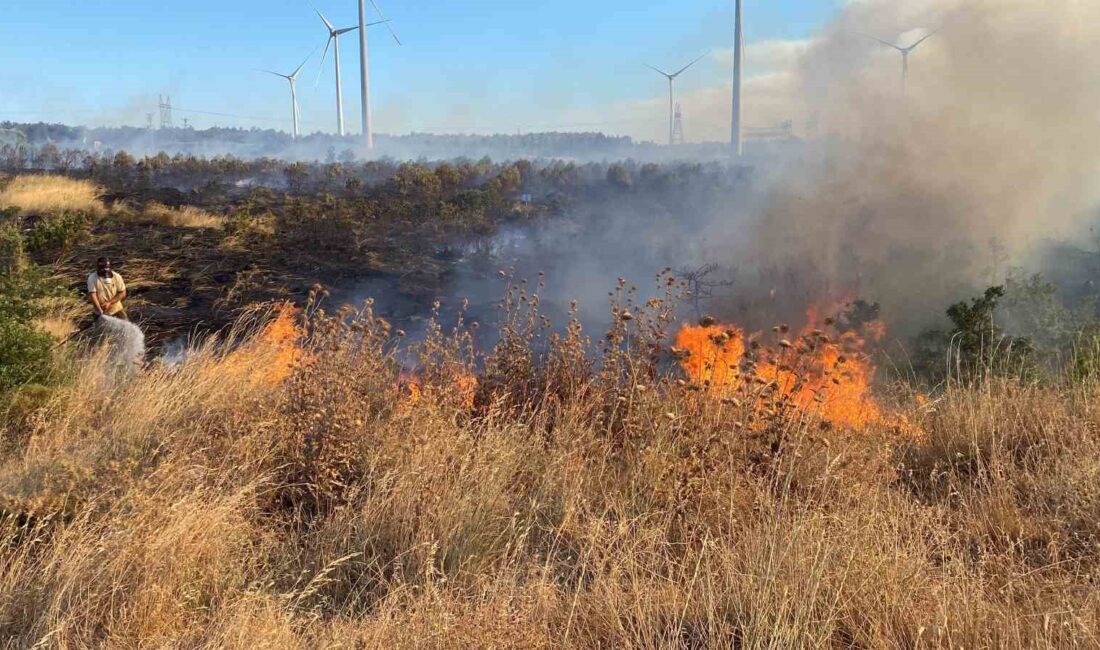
[{"x": 922, "y": 197}]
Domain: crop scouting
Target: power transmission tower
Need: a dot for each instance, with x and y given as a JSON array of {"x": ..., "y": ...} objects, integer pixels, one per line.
[
  {"x": 186, "y": 125},
  {"x": 165, "y": 112},
  {"x": 678, "y": 127},
  {"x": 149, "y": 121}
]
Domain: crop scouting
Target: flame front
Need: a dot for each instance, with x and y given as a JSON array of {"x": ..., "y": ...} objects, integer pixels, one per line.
[
  {"x": 711, "y": 355},
  {"x": 272, "y": 355},
  {"x": 282, "y": 335},
  {"x": 815, "y": 372}
]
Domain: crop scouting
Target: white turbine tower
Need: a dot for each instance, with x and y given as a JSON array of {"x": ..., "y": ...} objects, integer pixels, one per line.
[
  {"x": 364, "y": 69},
  {"x": 293, "y": 79},
  {"x": 334, "y": 40},
  {"x": 736, "y": 141},
  {"x": 905, "y": 52},
  {"x": 671, "y": 78}
]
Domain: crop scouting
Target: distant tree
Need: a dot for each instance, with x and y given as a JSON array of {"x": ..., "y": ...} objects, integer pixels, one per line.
[
  {"x": 510, "y": 180},
  {"x": 122, "y": 167},
  {"x": 296, "y": 176},
  {"x": 619, "y": 178}
]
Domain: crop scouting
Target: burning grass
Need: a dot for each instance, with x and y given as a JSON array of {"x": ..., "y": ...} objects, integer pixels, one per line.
[
  {"x": 579, "y": 499},
  {"x": 48, "y": 194},
  {"x": 821, "y": 370}
]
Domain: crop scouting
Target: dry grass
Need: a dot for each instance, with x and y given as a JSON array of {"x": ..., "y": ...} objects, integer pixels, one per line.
[
  {"x": 47, "y": 194},
  {"x": 183, "y": 217},
  {"x": 60, "y": 316},
  {"x": 576, "y": 505}
]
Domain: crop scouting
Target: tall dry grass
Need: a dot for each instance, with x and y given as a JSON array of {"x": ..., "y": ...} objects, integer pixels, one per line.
[
  {"x": 578, "y": 502},
  {"x": 50, "y": 194},
  {"x": 186, "y": 216}
]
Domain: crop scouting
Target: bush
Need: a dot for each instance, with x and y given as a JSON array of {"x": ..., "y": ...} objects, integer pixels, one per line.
[
  {"x": 55, "y": 235},
  {"x": 13, "y": 258},
  {"x": 24, "y": 351},
  {"x": 1085, "y": 355},
  {"x": 24, "y": 354},
  {"x": 975, "y": 347}
]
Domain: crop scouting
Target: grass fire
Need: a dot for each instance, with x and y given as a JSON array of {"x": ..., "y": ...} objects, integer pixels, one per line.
[
  {"x": 820, "y": 369},
  {"x": 686, "y": 384}
]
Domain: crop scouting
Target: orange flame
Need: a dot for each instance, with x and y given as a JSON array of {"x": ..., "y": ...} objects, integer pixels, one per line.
[
  {"x": 711, "y": 354},
  {"x": 282, "y": 336},
  {"x": 814, "y": 372},
  {"x": 413, "y": 389},
  {"x": 270, "y": 356}
]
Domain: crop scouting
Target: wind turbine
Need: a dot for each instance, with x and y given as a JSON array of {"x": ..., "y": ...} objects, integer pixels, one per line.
[
  {"x": 905, "y": 52},
  {"x": 364, "y": 69},
  {"x": 672, "y": 78},
  {"x": 293, "y": 79},
  {"x": 334, "y": 40},
  {"x": 736, "y": 140}
]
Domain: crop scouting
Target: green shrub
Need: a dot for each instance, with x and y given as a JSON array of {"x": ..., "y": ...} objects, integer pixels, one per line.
[
  {"x": 56, "y": 234},
  {"x": 1085, "y": 355},
  {"x": 24, "y": 354},
  {"x": 976, "y": 347},
  {"x": 13, "y": 257}
]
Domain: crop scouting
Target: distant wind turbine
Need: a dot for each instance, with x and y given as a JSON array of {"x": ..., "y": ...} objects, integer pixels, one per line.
[
  {"x": 334, "y": 40},
  {"x": 364, "y": 68},
  {"x": 293, "y": 79},
  {"x": 736, "y": 139},
  {"x": 905, "y": 52},
  {"x": 671, "y": 78}
]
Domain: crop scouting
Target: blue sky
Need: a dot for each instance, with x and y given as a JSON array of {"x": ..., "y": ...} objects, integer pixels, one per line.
[{"x": 471, "y": 65}]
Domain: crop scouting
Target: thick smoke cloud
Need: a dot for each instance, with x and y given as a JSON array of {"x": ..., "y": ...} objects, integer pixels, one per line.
[{"x": 915, "y": 198}]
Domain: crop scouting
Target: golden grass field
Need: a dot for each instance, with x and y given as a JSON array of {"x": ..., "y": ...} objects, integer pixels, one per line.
[
  {"x": 187, "y": 216},
  {"x": 51, "y": 194},
  {"x": 292, "y": 493}
]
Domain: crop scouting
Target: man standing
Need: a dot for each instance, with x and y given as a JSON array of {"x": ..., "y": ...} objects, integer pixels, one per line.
[{"x": 106, "y": 291}]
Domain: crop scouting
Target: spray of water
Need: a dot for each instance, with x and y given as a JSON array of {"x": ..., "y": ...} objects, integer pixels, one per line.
[{"x": 126, "y": 341}]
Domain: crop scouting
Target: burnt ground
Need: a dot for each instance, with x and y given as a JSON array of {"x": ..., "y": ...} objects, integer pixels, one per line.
[{"x": 183, "y": 281}]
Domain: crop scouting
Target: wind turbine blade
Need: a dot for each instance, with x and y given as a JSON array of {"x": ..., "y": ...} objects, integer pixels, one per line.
[
  {"x": 341, "y": 32},
  {"x": 294, "y": 75},
  {"x": 886, "y": 43},
  {"x": 659, "y": 71},
  {"x": 928, "y": 36},
  {"x": 324, "y": 54},
  {"x": 386, "y": 20},
  {"x": 677, "y": 73},
  {"x": 323, "y": 19},
  {"x": 277, "y": 74}
]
